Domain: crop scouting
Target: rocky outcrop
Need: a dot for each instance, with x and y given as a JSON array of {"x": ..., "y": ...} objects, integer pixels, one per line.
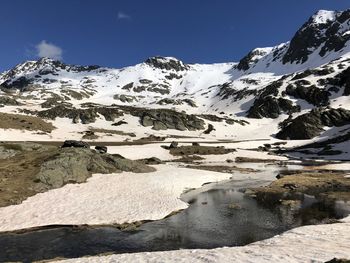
[
  {"x": 9, "y": 101},
  {"x": 75, "y": 165},
  {"x": 125, "y": 98},
  {"x": 75, "y": 144},
  {"x": 313, "y": 34},
  {"x": 341, "y": 80},
  {"x": 162, "y": 119},
  {"x": 251, "y": 58},
  {"x": 268, "y": 105},
  {"x": 226, "y": 91},
  {"x": 311, "y": 124},
  {"x": 167, "y": 63},
  {"x": 168, "y": 101},
  {"x": 312, "y": 94}
]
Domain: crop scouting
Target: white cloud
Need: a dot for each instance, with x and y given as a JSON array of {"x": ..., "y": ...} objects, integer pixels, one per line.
[
  {"x": 45, "y": 49},
  {"x": 122, "y": 15}
]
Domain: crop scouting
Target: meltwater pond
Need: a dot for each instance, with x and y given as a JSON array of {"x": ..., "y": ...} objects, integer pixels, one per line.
[{"x": 220, "y": 216}]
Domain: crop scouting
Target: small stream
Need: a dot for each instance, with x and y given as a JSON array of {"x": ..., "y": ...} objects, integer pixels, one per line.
[{"x": 220, "y": 216}]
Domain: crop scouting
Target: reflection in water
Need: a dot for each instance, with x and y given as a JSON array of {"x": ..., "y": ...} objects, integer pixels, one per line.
[{"x": 219, "y": 217}]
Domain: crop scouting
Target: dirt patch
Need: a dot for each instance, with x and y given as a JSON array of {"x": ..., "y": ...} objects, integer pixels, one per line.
[
  {"x": 17, "y": 173},
  {"x": 106, "y": 131},
  {"x": 199, "y": 150},
  {"x": 188, "y": 159},
  {"x": 22, "y": 122},
  {"x": 222, "y": 168},
  {"x": 323, "y": 185},
  {"x": 256, "y": 160}
]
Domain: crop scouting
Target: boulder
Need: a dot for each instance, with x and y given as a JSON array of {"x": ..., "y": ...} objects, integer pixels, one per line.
[
  {"x": 75, "y": 144},
  {"x": 209, "y": 129},
  {"x": 173, "y": 145},
  {"x": 101, "y": 149}
]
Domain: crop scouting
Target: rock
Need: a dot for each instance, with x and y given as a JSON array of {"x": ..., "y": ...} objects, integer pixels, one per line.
[
  {"x": 89, "y": 135},
  {"x": 173, "y": 145},
  {"x": 75, "y": 165},
  {"x": 312, "y": 94},
  {"x": 75, "y": 144},
  {"x": 195, "y": 144},
  {"x": 101, "y": 149},
  {"x": 234, "y": 206},
  {"x": 162, "y": 119},
  {"x": 310, "y": 125},
  {"x": 151, "y": 161},
  {"x": 118, "y": 123},
  {"x": 290, "y": 186},
  {"x": 229, "y": 161},
  {"x": 84, "y": 116},
  {"x": 209, "y": 129},
  {"x": 250, "y": 59},
  {"x": 279, "y": 176},
  {"x": 157, "y": 125},
  {"x": 267, "y": 105}
]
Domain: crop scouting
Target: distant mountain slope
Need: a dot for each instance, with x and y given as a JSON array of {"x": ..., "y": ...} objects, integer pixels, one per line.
[{"x": 295, "y": 84}]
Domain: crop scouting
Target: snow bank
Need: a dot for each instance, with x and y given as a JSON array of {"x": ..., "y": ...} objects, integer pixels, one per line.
[
  {"x": 109, "y": 199},
  {"x": 318, "y": 243}
]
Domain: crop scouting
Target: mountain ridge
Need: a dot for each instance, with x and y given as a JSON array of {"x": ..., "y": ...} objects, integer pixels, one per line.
[{"x": 269, "y": 87}]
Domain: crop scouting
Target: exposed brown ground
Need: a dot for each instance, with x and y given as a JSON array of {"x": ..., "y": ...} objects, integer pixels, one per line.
[
  {"x": 17, "y": 174},
  {"x": 23, "y": 122},
  {"x": 199, "y": 150},
  {"x": 222, "y": 168},
  {"x": 324, "y": 185}
]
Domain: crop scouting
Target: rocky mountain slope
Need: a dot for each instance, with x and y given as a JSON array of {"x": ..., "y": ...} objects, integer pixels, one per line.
[{"x": 294, "y": 91}]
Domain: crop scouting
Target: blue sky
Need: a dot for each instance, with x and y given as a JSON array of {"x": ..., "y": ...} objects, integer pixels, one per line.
[{"x": 121, "y": 33}]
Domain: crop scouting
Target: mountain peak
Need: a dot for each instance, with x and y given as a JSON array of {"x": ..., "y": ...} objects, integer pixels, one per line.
[
  {"x": 324, "y": 16},
  {"x": 168, "y": 63}
]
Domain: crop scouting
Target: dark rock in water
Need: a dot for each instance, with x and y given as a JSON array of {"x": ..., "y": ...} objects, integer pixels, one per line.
[
  {"x": 101, "y": 149},
  {"x": 209, "y": 129},
  {"x": 310, "y": 125},
  {"x": 195, "y": 144},
  {"x": 267, "y": 105},
  {"x": 75, "y": 144},
  {"x": 125, "y": 98},
  {"x": 279, "y": 176},
  {"x": 173, "y": 145}
]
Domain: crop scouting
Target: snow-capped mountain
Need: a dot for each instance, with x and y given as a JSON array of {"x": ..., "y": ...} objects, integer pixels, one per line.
[{"x": 302, "y": 80}]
